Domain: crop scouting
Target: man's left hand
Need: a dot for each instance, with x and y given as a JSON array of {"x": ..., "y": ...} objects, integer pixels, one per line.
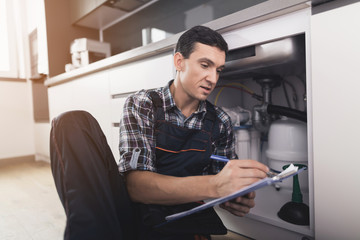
[{"x": 240, "y": 206}]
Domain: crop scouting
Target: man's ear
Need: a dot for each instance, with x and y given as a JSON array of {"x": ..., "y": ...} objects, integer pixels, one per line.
[{"x": 178, "y": 61}]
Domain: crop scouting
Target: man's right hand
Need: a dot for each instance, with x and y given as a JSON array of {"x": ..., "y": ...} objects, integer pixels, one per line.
[
  {"x": 238, "y": 174},
  {"x": 154, "y": 188}
]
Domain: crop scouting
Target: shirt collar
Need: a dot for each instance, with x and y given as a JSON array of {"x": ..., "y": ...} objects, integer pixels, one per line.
[
  {"x": 168, "y": 99},
  {"x": 170, "y": 103}
]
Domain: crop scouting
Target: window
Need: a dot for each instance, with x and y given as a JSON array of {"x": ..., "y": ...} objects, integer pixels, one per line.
[
  {"x": 4, "y": 43},
  {"x": 8, "y": 68}
]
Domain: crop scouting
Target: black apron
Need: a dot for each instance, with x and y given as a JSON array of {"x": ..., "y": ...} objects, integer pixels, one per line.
[{"x": 180, "y": 152}]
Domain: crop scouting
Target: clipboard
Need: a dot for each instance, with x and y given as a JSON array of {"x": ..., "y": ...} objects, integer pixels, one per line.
[{"x": 287, "y": 173}]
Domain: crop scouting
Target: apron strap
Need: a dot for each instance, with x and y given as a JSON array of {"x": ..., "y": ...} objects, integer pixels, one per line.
[
  {"x": 158, "y": 106},
  {"x": 211, "y": 124}
]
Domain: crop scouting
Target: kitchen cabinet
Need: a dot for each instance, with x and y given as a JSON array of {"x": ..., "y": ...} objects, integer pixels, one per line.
[
  {"x": 101, "y": 14},
  {"x": 127, "y": 79},
  {"x": 89, "y": 93},
  {"x": 331, "y": 72},
  {"x": 269, "y": 201},
  {"x": 112, "y": 86},
  {"x": 143, "y": 74},
  {"x": 81, "y": 8},
  {"x": 103, "y": 93}
]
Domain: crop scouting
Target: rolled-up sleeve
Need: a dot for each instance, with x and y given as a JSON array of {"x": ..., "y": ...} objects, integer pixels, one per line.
[{"x": 137, "y": 134}]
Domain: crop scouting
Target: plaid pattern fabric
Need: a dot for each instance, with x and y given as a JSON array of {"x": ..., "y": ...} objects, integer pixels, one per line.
[{"x": 137, "y": 141}]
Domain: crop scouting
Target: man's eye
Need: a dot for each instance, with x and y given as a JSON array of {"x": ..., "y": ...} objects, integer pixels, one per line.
[
  {"x": 204, "y": 65},
  {"x": 219, "y": 70}
]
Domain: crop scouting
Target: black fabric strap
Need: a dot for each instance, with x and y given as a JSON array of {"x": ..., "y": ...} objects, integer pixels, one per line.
[
  {"x": 211, "y": 124},
  {"x": 156, "y": 99},
  {"x": 158, "y": 106}
]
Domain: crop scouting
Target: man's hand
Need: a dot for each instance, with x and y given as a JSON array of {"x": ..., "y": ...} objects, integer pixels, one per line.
[
  {"x": 238, "y": 174},
  {"x": 154, "y": 188},
  {"x": 240, "y": 206}
]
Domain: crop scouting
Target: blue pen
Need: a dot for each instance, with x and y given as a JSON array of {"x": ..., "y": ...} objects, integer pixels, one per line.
[
  {"x": 225, "y": 159},
  {"x": 219, "y": 158}
]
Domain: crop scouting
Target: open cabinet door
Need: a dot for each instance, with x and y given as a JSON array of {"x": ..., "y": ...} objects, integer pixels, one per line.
[{"x": 335, "y": 52}]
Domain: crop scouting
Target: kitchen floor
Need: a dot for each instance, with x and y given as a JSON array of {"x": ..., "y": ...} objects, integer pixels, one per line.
[{"x": 29, "y": 205}]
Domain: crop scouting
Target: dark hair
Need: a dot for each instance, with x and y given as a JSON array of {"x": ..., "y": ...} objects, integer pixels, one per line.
[{"x": 200, "y": 34}]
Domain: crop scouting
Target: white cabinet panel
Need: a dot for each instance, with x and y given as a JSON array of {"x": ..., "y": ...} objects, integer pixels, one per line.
[
  {"x": 264, "y": 31},
  {"x": 89, "y": 93},
  {"x": 117, "y": 105},
  {"x": 114, "y": 142},
  {"x": 335, "y": 72},
  {"x": 144, "y": 74}
]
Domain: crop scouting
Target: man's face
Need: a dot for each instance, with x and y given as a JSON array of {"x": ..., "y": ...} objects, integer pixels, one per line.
[{"x": 200, "y": 72}]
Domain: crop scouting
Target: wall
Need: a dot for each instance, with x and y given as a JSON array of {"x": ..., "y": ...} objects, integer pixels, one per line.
[
  {"x": 57, "y": 38},
  {"x": 35, "y": 13},
  {"x": 60, "y": 34}
]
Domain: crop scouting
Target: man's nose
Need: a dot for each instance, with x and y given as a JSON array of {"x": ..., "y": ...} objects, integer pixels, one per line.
[{"x": 213, "y": 76}]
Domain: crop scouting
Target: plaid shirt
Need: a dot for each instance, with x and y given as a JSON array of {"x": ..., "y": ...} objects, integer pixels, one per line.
[{"x": 137, "y": 140}]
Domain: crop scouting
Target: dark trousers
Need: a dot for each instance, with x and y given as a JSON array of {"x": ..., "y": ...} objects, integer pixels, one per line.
[{"x": 89, "y": 185}]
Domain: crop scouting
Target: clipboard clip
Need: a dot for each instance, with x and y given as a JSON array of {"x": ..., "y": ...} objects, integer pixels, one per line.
[{"x": 290, "y": 171}]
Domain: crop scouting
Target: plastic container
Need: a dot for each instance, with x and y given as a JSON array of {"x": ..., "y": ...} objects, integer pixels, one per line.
[
  {"x": 242, "y": 143},
  {"x": 287, "y": 143}
]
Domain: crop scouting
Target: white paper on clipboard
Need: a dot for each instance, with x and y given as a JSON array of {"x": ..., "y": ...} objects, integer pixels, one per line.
[{"x": 259, "y": 184}]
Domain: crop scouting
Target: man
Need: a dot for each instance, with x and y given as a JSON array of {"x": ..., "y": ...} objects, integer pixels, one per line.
[
  {"x": 167, "y": 136},
  {"x": 166, "y": 139}
]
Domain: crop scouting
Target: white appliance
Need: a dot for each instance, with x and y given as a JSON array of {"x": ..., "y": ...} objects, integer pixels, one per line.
[
  {"x": 287, "y": 143},
  {"x": 85, "y": 51}
]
